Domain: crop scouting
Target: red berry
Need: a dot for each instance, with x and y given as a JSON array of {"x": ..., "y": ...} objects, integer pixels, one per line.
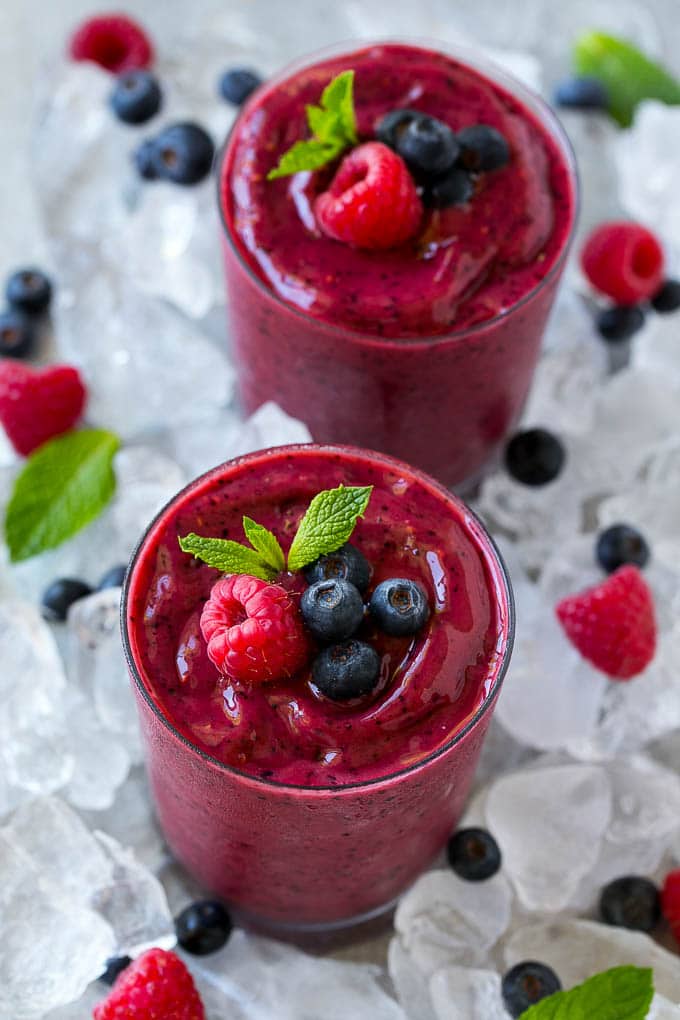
[
  {"x": 670, "y": 901},
  {"x": 155, "y": 986},
  {"x": 612, "y": 624},
  {"x": 254, "y": 630},
  {"x": 624, "y": 261},
  {"x": 372, "y": 201},
  {"x": 114, "y": 41},
  {"x": 38, "y": 404}
]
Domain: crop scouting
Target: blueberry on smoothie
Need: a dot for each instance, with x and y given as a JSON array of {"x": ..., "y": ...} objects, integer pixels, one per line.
[
  {"x": 526, "y": 984},
  {"x": 60, "y": 595},
  {"x": 236, "y": 84},
  {"x": 17, "y": 334},
  {"x": 621, "y": 544},
  {"x": 474, "y": 854},
  {"x": 183, "y": 153},
  {"x": 346, "y": 670},
  {"x": 347, "y": 563},
  {"x": 534, "y": 457},
  {"x": 428, "y": 146},
  {"x": 203, "y": 927},
  {"x": 631, "y": 902},
  {"x": 399, "y": 606},
  {"x": 482, "y": 148},
  {"x": 391, "y": 127},
  {"x": 620, "y": 322},
  {"x": 136, "y": 97},
  {"x": 454, "y": 188},
  {"x": 333, "y": 610},
  {"x": 29, "y": 291}
]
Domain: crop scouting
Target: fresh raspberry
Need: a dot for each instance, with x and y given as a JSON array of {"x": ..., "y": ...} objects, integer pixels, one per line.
[
  {"x": 114, "y": 41},
  {"x": 624, "y": 261},
  {"x": 612, "y": 624},
  {"x": 38, "y": 404},
  {"x": 155, "y": 986},
  {"x": 254, "y": 630},
  {"x": 670, "y": 901},
  {"x": 372, "y": 201}
]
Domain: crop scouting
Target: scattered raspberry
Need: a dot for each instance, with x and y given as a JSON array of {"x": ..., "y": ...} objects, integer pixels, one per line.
[
  {"x": 372, "y": 201},
  {"x": 155, "y": 986},
  {"x": 670, "y": 901},
  {"x": 254, "y": 630},
  {"x": 114, "y": 41},
  {"x": 624, "y": 261},
  {"x": 38, "y": 404},
  {"x": 612, "y": 624}
]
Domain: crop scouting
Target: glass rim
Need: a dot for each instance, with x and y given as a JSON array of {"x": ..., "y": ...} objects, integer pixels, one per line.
[
  {"x": 479, "y": 61},
  {"x": 482, "y": 540}
]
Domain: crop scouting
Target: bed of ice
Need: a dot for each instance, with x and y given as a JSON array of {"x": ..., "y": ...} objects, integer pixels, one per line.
[{"x": 579, "y": 779}]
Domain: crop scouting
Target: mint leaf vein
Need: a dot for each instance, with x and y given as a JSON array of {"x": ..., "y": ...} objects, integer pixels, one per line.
[
  {"x": 265, "y": 543},
  {"x": 227, "y": 556}
]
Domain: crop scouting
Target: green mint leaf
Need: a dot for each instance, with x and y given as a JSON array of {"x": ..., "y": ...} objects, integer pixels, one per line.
[
  {"x": 338, "y": 98},
  {"x": 226, "y": 556},
  {"x": 329, "y": 521},
  {"x": 304, "y": 156},
  {"x": 628, "y": 75},
  {"x": 63, "y": 486},
  {"x": 327, "y": 127},
  {"x": 622, "y": 993},
  {"x": 265, "y": 543}
]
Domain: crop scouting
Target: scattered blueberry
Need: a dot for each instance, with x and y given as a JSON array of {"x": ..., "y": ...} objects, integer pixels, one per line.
[
  {"x": 346, "y": 670},
  {"x": 582, "y": 94},
  {"x": 347, "y": 563},
  {"x": 631, "y": 902},
  {"x": 237, "y": 84},
  {"x": 115, "y": 965},
  {"x": 203, "y": 927},
  {"x": 136, "y": 97},
  {"x": 620, "y": 544},
  {"x": 474, "y": 854},
  {"x": 60, "y": 595},
  {"x": 29, "y": 290},
  {"x": 391, "y": 127},
  {"x": 17, "y": 334},
  {"x": 428, "y": 145},
  {"x": 527, "y": 983},
  {"x": 454, "y": 188},
  {"x": 399, "y": 606},
  {"x": 534, "y": 457},
  {"x": 620, "y": 322},
  {"x": 113, "y": 578},
  {"x": 183, "y": 153},
  {"x": 333, "y": 609},
  {"x": 668, "y": 298},
  {"x": 144, "y": 160},
  {"x": 482, "y": 148}
]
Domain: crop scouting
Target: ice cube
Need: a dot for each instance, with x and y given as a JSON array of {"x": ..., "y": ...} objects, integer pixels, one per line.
[
  {"x": 411, "y": 984},
  {"x": 463, "y": 993},
  {"x": 647, "y": 157},
  {"x": 131, "y": 821},
  {"x": 101, "y": 761}
]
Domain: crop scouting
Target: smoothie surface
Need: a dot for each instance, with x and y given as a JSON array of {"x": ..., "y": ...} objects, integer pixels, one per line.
[
  {"x": 469, "y": 263},
  {"x": 431, "y": 685}
]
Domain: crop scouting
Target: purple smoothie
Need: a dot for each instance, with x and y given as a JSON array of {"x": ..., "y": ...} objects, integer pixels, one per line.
[{"x": 259, "y": 788}]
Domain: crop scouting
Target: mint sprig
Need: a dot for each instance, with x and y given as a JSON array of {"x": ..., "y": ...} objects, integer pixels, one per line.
[
  {"x": 622, "y": 993},
  {"x": 333, "y": 127},
  {"x": 227, "y": 556}
]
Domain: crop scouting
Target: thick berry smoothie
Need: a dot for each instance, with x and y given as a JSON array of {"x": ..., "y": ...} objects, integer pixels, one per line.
[
  {"x": 292, "y": 807},
  {"x": 425, "y": 351}
]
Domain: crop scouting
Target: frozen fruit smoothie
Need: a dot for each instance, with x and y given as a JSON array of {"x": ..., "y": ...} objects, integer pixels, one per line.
[
  {"x": 293, "y": 805},
  {"x": 424, "y": 349}
]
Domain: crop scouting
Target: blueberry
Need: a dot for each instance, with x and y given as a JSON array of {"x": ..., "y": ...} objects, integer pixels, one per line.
[
  {"x": 113, "y": 578},
  {"x": 203, "y": 927},
  {"x": 482, "y": 148},
  {"x": 136, "y": 97},
  {"x": 527, "y": 983},
  {"x": 668, "y": 298},
  {"x": 399, "y": 606},
  {"x": 620, "y": 544},
  {"x": 144, "y": 158},
  {"x": 29, "y": 290},
  {"x": 183, "y": 153},
  {"x": 236, "y": 84},
  {"x": 473, "y": 854},
  {"x": 534, "y": 457},
  {"x": 115, "y": 965},
  {"x": 620, "y": 322},
  {"x": 346, "y": 670},
  {"x": 582, "y": 94},
  {"x": 631, "y": 902},
  {"x": 333, "y": 609},
  {"x": 428, "y": 146},
  {"x": 17, "y": 334},
  {"x": 60, "y": 595},
  {"x": 347, "y": 562},
  {"x": 391, "y": 127},
  {"x": 454, "y": 188}
]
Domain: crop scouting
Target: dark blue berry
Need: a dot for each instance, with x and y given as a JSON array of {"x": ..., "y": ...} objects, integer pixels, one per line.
[
  {"x": 136, "y": 97},
  {"x": 534, "y": 457},
  {"x": 631, "y": 902},
  {"x": 237, "y": 84},
  {"x": 454, "y": 188},
  {"x": 347, "y": 563},
  {"x": 668, "y": 298},
  {"x": 582, "y": 94},
  {"x": 346, "y": 670},
  {"x": 474, "y": 854},
  {"x": 333, "y": 609},
  {"x": 183, "y": 153},
  {"x": 144, "y": 158},
  {"x": 482, "y": 148},
  {"x": 527, "y": 983},
  {"x": 113, "y": 578},
  {"x": 620, "y": 544},
  {"x": 391, "y": 127},
  {"x": 29, "y": 290},
  {"x": 399, "y": 606},
  {"x": 203, "y": 927},
  {"x": 620, "y": 322},
  {"x": 17, "y": 334},
  {"x": 115, "y": 965},
  {"x": 60, "y": 595},
  {"x": 428, "y": 145}
]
